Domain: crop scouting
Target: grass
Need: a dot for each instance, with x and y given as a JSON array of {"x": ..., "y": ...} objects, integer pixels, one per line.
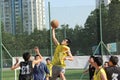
[
  {"x": 8, "y": 75},
  {"x": 75, "y": 74},
  {"x": 71, "y": 74}
]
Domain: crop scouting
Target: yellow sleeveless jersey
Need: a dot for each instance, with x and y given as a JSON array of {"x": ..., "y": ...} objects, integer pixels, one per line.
[
  {"x": 97, "y": 74},
  {"x": 59, "y": 55},
  {"x": 49, "y": 66}
]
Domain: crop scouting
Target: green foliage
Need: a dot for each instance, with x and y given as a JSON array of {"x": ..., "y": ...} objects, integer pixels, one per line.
[
  {"x": 114, "y": 20},
  {"x": 19, "y": 26},
  {"x": 83, "y": 38}
]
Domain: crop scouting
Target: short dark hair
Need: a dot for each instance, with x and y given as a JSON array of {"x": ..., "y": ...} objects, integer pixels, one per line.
[
  {"x": 114, "y": 60},
  {"x": 92, "y": 56},
  {"x": 36, "y": 56},
  {"x": 26, "y": 56},
  {"x": 68, "y": 41},
  {"x": 48, "y": 59},
  {"x": 106, "y": 62},
  {"x": 98, "y": 60}
]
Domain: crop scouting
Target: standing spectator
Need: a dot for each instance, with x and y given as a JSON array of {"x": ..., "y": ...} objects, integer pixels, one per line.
[
  {"x": 26, "y": 67},
  {"x": 106, "y": 64},
  {"x": 113, "y": 71},
  {"x": 99, "y": 73},
  {"x": 91, "y": 68}
]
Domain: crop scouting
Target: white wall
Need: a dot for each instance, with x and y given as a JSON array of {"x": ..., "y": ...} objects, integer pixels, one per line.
[{"x": 77, "y": 63}]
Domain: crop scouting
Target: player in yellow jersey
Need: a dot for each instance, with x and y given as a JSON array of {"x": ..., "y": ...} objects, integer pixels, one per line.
[
  {"x": 99, "y": 73},
  {"x": 49, "y": 65},
  {"x": 62, "y": 53}
]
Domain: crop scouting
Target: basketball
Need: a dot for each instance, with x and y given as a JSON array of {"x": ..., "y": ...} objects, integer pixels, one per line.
[{"x": 54, "y": 23}]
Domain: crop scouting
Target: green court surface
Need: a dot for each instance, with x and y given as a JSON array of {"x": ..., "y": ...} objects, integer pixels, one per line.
[
  {"x": 75, "y": 74},
  {"x": 71, "y": 74}
]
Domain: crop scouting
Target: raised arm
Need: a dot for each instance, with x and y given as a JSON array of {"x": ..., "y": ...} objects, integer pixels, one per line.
[
  {"x": 16, "y": 65},
  {"x": 36, "y": 49},
  {"x": 54, "y": 37}
]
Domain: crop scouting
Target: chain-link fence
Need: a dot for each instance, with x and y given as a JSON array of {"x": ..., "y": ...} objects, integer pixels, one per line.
[{"x": 92, "y": 28}]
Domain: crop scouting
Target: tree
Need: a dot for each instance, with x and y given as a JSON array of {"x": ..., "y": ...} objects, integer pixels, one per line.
[
  {"x": 19, "y": 26},
  {"x": 114, "y": 21},
  {"x": 92, "y": 28}
]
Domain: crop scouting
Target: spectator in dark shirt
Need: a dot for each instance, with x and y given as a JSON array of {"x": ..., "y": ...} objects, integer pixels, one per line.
[
  {"x": 113, "y": 71},
  {"x": 91, "y": 68}
]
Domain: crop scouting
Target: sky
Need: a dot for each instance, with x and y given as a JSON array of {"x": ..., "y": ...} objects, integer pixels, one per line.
[{"x": 70, "y": 12}]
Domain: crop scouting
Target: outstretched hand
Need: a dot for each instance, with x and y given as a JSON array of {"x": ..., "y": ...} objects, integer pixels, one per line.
[
  {"x": 36, "y": 49},
  {"x": 65, "y": 58}
]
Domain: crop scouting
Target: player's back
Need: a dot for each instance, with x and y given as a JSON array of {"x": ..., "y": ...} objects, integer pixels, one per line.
[
  {"x": 113, "y": 73},
  {"x": 26, "y": 71}
]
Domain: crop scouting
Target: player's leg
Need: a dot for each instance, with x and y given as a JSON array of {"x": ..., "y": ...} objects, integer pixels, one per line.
[
  {"x": 62, "y": 76},
  {"x": 55, "y": 73}
]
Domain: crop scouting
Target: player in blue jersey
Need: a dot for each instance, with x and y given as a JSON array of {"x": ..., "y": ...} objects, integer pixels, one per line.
[{"x": 40, "y": 71}]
